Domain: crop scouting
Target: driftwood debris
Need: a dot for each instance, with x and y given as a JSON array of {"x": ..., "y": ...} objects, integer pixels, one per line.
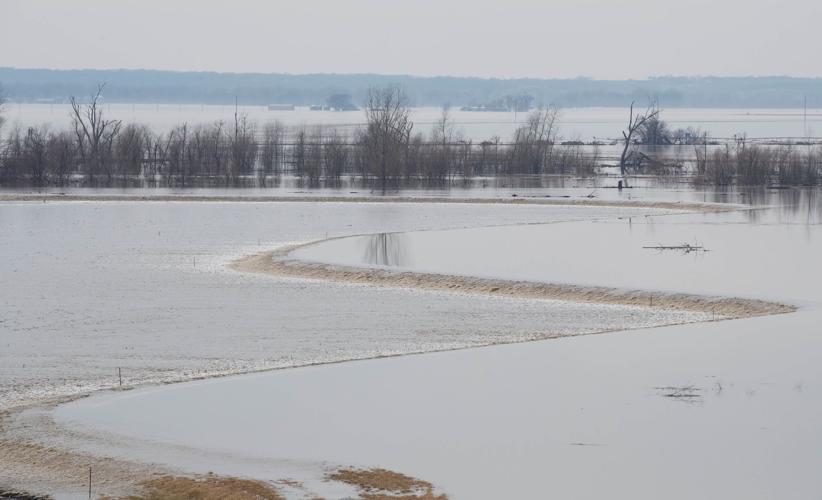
[
  {"x": 684, "y": 248},
  {"x": 687, "y": 394}
]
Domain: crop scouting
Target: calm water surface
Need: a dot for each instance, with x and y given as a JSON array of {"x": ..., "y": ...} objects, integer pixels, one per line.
[
  {"x": 575, "y": 123},
  {"x": 583, "y": 418}
]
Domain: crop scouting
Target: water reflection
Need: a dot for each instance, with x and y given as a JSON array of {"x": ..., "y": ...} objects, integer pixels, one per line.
[
  {"x": 386, "y": 249},
  {"x": 789, "y": 206}
]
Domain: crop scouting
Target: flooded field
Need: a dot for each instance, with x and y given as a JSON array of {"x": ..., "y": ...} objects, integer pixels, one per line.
[
  {"x": 398, "y": 267},
  {"x": 575, "y": 123},
  {"x": 622, "y": 252},
  {"x": 158, "y": 304},
  {"x": 719, "y": 402}
]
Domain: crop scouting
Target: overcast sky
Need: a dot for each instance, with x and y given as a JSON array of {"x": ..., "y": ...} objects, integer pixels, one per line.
[{"x": 506, "y": 38}]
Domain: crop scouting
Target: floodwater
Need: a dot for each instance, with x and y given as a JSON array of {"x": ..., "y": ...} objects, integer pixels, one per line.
[
  {"x": 708, "y": 410},
  {"x": 586, "y": 124},
  {"x": 90, "y": 288},
  {"x": 615, "y": 252}
]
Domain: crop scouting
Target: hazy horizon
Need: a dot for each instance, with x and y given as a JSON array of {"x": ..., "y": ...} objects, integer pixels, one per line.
[
  {"x": 522, "y": 39},
  {"x": 412, "y": 75}
]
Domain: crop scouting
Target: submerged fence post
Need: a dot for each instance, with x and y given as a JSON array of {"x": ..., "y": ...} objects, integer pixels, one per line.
[
  {"x": 120, "y": 375},
  {"x": 89, "y": 482}
]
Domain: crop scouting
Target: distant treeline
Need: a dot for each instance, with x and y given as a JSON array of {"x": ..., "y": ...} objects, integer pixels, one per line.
[
  {"x": 386, "y": 152},
  {"x": 147, "y": 86}
]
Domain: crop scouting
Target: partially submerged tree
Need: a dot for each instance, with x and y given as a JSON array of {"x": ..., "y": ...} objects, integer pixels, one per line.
[
  {"x": 440, "y": 162},
  {"x": 387, "y": 133},
  {"x": 95, "y": 134},
  {"x": 243, "y": 148},
  {"x": 271, "y": 153},
  {"x": 534, "y": 142},
  {"x": 655, "y": 132},
  {"x": 635, "y": 124},
  {"x": 2, "y": 105},
  {"x": 35, "y": 145}
]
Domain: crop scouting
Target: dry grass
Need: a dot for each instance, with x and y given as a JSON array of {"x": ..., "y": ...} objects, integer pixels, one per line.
[
  {"x": 36, "y": 468},
  {"x": 382, "y": 484},
  {"x": 209, "y": 488}
]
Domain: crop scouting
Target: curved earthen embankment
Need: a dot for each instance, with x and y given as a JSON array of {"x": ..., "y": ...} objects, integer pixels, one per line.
[{"x": 280, "y": 263}]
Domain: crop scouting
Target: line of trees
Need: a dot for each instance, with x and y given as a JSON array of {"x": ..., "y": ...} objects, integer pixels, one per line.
[
  {"x": 2, "y": 106},
  {"x": 748, "y": 164},
  {"x": 386, "y": 153},
  {"x": 740, "y": 162}
]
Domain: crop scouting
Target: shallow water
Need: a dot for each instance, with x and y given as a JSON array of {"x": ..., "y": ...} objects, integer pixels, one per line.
[
  {"x": 571, "y": 418},
  {"x": 738, "y": 257},
  {"x": 583, "y": 417},
  {"x": 575, "y": 123},
  {"x": 90, "y": 288}
]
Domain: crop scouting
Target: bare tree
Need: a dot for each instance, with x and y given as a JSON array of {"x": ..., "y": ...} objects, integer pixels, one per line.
[
  {"x": 35, "y": 148},
  {"x": 655, "y": 132},
  {"x": 272, "y": 148},
  {"x": 94, "y": 133},
  {"x": 387, "y": 134},
  {"x": 176, "y": 146},
  {"x": 243, "y": 147},
  {"x": 2, "y": 105},
  {"x": 635, "y": 123},
  {"x": 298, "y": 153},
  {"x": 314, "y": 155},
  {"x": 61, "y": 154},
  {"x": 129, "y": 151},
  {"x": 441, "y": 158},
  {"x": 534, "y": 141},
  {"x": 336, "y": 156}
]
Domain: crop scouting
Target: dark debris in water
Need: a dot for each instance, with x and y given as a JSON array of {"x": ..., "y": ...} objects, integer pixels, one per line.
[
  {"x": 684, "y": 248},
  {"x": 685, "y": 393}
]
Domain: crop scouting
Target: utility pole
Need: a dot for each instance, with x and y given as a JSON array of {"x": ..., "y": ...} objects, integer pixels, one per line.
[
  {"x": 236, "y": 123},
  {"x": 805, "y": 117}
]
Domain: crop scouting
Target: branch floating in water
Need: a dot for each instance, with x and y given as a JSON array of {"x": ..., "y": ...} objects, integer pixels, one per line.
[{"x": 685, "y": 248}]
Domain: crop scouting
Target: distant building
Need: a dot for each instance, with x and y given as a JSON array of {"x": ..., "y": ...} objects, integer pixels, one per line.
[{"x": 281, "y": 107}]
